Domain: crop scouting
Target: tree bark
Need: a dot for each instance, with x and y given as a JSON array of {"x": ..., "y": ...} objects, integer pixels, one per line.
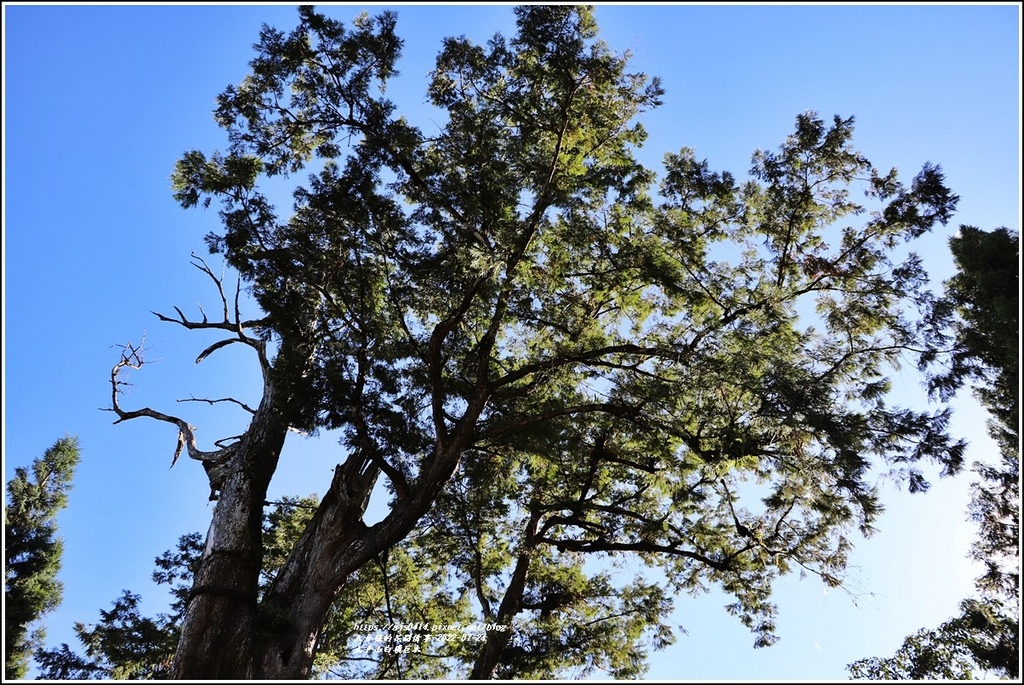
[
  {"x": 511, "y": 604},
  {"x": 220, "y": 626},
  {"x": 335, "y": 545}
]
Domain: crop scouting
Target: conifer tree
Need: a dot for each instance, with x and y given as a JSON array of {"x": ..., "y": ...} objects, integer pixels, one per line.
[
  {"x": 976, "y": 342},
  {"x": 529, "y": 337},
  {"x": 32, "y": 550}
]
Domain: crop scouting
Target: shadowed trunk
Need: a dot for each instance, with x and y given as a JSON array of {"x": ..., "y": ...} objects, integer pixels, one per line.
[
  {"x": 220, "y": 623},
  {"x": 335, "y": 544},
  {"x": 511, "y": 604}
]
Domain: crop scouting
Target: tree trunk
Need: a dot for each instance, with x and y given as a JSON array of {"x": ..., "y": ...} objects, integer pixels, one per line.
[
  {"x": 335, "y": 545},
  {"x": 220, "y": 626},
  {"x": 298, "y": 600},
  {"x": 331, "y": 549},
  {"x": 226, "y": 632},
  {"x": 511, "y": 604}
]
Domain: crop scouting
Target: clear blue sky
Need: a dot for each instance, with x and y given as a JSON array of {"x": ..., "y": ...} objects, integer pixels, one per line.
[{"x": 99, "y": 102}]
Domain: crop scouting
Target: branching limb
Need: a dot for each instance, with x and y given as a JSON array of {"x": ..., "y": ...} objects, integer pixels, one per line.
[
  {"x": 131, "y": 358},
  {"x": 243, "y": 405},
  {"x": 740, "y": 528},
  {"x": 526, "y": 420},
  {"x": 236, "y": 326},
  {"x": 600, "y": 545}
]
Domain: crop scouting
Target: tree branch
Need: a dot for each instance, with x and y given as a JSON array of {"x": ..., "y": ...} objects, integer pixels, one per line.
[
  {"x": 237, "y": 326},
  {"x": 131, "y": 358},
  {"x": 592, "y": 357},
  {"x": 437, "y": 338},
  {"x": 243, "y": 405},
  {"x": 533, "y": 419},
  {"x": 598, "y": 545}
]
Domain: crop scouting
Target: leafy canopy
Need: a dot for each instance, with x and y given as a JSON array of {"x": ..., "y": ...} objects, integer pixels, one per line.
[
  {"x": 553, "y": 354},
  {"x": 975, "y": 331},
  {"x": 32, "y": 550}
]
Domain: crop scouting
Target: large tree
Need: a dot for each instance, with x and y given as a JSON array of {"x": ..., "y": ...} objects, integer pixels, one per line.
[
  {"x": 983, "y": 640},
  {"x": 981, "y": 310},
  {"x": 32, "y": 550},
  {"x": 546, "y": 357},
  {"x": 407, "y": 585},
  {"x": 976, "y": 342}
]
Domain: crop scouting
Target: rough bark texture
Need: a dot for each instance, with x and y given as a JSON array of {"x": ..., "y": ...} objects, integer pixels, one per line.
[
  {"x": 334, "y": 545},
  {"x": 220, "y": 628},
  {"x": 221, "y": 634}
]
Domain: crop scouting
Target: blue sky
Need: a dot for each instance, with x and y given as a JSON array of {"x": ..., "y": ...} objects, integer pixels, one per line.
[{"x": 99, "y": 102}]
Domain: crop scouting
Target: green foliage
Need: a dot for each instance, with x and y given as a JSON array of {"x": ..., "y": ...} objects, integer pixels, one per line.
[
  {"x": 551, "y": 356},
  {"x": 981, "y": 641},
  {"x": 579, "y": 624},
  {"x": 401, "y": 588},
  {"x": 975, "y": 333},
  {"x": 564, "y": 617},
  {"x": 983, "y": 300},
  {"x": 576, "y": 623},
  {"x": 32, "y": 552},
  {"x": 980, "y": 311},
  {"x": 124, "y": 645}
]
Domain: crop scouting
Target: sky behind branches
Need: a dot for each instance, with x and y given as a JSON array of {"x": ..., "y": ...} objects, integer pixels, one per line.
[{"x": 101, "y": 100}]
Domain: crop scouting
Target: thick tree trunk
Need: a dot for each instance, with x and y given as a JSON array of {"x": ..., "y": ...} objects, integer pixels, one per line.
[
  {"x": 335, "y": 548},
  {"x": 335, "y": 545},
  {"x": 297, "y": 602},
  {"x": 219, "y": 637},
  {"x": 226, "y": 632}
]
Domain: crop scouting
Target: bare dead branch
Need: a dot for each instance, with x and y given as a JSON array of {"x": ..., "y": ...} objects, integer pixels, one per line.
[
  {"x": 241, "y": 404},
  {"x": 132, "y": 358},
  {"x": 216, "y": 346},
  {"x": 227, "y": 325},
  {"x": 236, "y": 326},
  {"x": 201, "y": 264}
]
